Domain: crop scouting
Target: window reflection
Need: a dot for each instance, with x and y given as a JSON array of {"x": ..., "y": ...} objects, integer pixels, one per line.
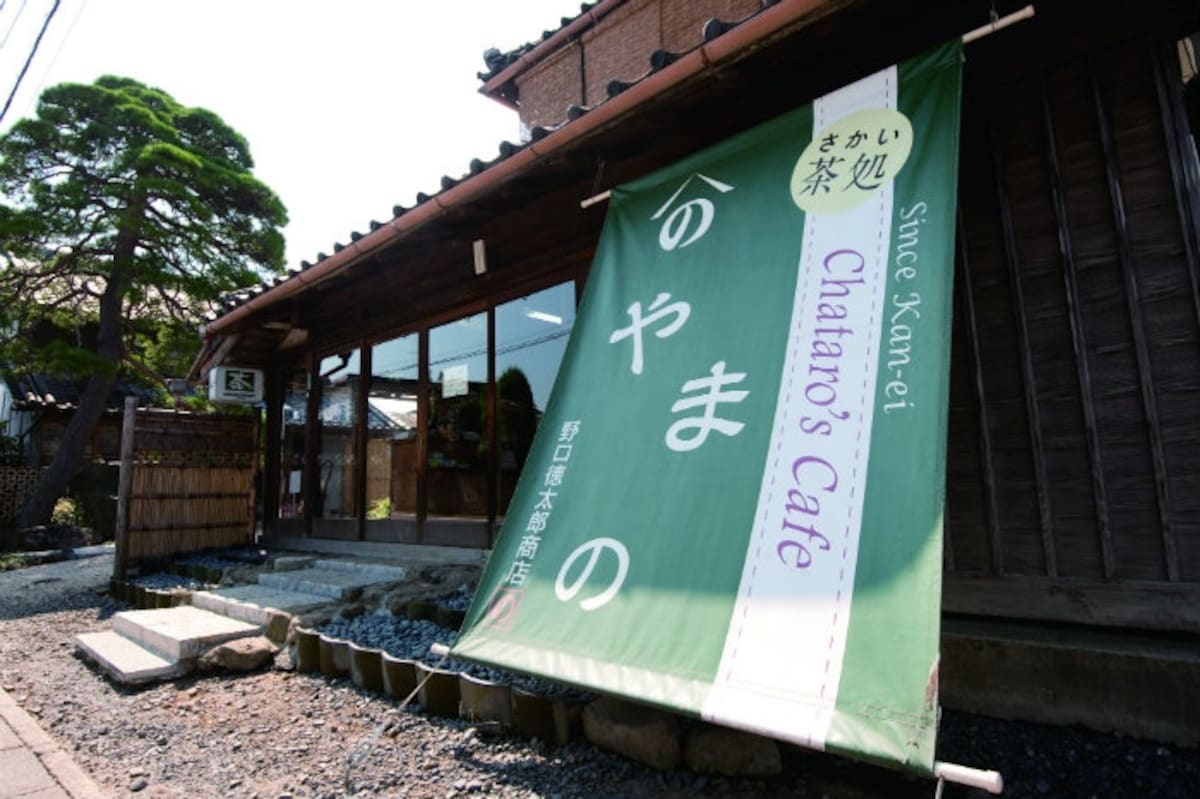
[
  {"x": 531, "y": 336},
  {"x": 457, "y": 467},
  {"x": 291, "y": 451},
  {"x": 340, "y": 380},
  {"x": 392, "y": 449}
]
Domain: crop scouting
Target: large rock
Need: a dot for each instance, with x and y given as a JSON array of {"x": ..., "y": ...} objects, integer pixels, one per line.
[
  {"x": 240, "y": 654},
  {"x": 278, "y": 624},
  {"x": 397, "y": 600},
  {"x": 56, "y": 536},
  {"x": 240, "y": 575},
  {"x": 453, "y": 575},
  {"x": 639, "y": 733},
  {"x": 351, "y": 610},
  {"x": 429, "y": 584},
  {"x": 719, "y": 750}
]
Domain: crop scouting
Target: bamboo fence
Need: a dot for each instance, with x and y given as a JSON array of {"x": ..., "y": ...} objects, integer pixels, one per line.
[{"x": 187, "y": 484}]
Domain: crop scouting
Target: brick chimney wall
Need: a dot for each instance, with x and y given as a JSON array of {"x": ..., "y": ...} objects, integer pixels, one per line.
[{"x": 618, "y": 48}]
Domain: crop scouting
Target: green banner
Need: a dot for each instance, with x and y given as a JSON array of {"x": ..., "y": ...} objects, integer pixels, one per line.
[{"x": 733, "y": 506}]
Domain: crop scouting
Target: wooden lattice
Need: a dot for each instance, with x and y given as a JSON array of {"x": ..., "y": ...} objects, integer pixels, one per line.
[{"x": 16, "y": 484}]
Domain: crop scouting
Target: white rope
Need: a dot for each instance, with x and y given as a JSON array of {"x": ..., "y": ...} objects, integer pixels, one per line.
[{"x": 362, "y": 750}]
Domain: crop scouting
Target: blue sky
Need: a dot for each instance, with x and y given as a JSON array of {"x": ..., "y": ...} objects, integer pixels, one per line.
[{"x": 349, "y": 107}]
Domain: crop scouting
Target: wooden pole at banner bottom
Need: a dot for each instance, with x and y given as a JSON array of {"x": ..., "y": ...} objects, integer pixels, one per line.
[
  {"x": 990, "y": 781},
  {"x": 598, "y": 198},
  {"x": 968, "y": 37}
]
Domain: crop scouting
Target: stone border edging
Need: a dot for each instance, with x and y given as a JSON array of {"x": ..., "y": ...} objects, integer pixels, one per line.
[
  {"x": 507, "y": 708},
  {"x": 57, "y": 763},
  {"x": 443, "y": 692},
  {"x": 446, "y": 693}
]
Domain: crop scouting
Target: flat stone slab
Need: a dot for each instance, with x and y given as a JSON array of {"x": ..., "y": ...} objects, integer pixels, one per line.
[
  {"x": 288, "y": 563},
  {"x": 24, "y": 776},
  {"x": 8, "y": 738},
  {"x": 332, "y": 579},
  {"x": 375, "y": 572},
  {"x": 254, "y": 603},
  {"x": 125, "y": 660},
  {"x": 180, "y": 633}
]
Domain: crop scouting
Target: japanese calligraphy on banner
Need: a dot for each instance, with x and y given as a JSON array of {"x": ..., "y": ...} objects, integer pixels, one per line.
[{"x": 733, "y": 506}]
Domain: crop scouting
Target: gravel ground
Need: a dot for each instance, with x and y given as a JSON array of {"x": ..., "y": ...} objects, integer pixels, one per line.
[{"x": 276, "y": 734}]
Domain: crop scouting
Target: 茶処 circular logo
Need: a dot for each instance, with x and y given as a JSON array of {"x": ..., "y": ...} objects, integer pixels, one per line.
[{"x": 850, "y": 160}]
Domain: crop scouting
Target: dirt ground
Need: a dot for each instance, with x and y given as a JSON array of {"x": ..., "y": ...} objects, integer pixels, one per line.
[{"x": 276, "y": 734}]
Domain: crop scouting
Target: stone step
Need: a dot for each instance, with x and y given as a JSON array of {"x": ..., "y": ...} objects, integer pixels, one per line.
[
  {"x": 332, "y": 579},
  {"x": 254, "y": 603},
  {"x": 181, "y": 633},
  {"x": 288, "y": 563},
  {"x": 125, "y": 660},
  {"x": 163, "y": 643},
  {"x": 375, "y": 572}
]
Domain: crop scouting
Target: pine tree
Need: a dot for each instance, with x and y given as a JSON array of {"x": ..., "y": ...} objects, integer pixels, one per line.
[{"x": 124, "y": 208}]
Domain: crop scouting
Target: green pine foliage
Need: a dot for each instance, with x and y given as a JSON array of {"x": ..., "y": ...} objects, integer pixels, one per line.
[
  {"x": 124, "y": 216},
  {"x": 118, "y": 182}
]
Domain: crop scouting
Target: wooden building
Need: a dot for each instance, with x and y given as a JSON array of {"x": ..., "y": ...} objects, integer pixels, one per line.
[
  {"x": 36, "y": 408},
  {"x": 1073, "y": 483}
]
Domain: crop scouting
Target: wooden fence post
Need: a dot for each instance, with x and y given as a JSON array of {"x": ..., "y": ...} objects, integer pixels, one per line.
[
  {"x": 255, "y": 434},
  {"x": 124, "y": 489}
]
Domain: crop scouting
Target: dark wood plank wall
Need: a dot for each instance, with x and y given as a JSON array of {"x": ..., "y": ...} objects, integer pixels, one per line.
[
  {"x": 1074, "y": 460},
  {"x": 1073, "y": 481}
]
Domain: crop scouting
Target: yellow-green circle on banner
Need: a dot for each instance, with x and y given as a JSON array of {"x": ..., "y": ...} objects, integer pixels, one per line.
[{"x": 851, "y": 160}]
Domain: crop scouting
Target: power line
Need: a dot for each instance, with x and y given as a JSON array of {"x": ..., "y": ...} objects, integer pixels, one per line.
[
  {"x": 32, "y": 52},
  {"x": 16, "y": 18},
  {"x": 62, "y": 41}
]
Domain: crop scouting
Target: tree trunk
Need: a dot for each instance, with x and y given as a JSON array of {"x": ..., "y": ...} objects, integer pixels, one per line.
[{"x": 67, "y": 460}]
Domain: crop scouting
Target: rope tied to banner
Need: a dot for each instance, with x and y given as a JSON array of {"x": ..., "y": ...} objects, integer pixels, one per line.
[{"x": 363, "y": 749}]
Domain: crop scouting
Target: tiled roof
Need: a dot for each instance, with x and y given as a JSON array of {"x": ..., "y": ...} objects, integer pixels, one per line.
[
  {"x": 659, "y": 60},
  {"x": 497, "y": 61},
  {"x": 32, "y": 391}
]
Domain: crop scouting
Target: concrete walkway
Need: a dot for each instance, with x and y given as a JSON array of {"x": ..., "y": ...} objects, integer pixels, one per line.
[{"x": 31, "y": 764}]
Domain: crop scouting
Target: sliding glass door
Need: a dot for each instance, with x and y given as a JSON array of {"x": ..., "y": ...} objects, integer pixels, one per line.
[{"x": 425, "y": 428}]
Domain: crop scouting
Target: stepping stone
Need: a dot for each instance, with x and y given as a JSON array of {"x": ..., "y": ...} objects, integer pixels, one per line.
[
  {"x": 126, "y": 661},
  {"x": 331, "y": 578},
  {"x": 288, "y": 563},
  {"x": 164, "y": 643},
  {"x": 253, "y": 603},
  {"x": 375, "y": 572},
  {"x": 180, "y": 633}
]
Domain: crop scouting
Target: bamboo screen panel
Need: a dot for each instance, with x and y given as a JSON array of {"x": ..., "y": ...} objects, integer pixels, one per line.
[
  {"x": 1074, "y": 454},
  {"x": 193, "y": 484}
]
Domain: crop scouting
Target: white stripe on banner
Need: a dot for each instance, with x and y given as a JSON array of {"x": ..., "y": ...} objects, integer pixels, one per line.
[{"x": 782, "y": 661}]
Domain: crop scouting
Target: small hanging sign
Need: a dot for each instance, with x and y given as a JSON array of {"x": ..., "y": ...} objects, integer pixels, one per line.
[{"x": 235, "y": 385}]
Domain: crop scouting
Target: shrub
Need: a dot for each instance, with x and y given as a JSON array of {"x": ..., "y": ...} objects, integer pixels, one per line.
[
  {"x": 380, "y": 508},
  {"x": 67, "y": 511}
]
